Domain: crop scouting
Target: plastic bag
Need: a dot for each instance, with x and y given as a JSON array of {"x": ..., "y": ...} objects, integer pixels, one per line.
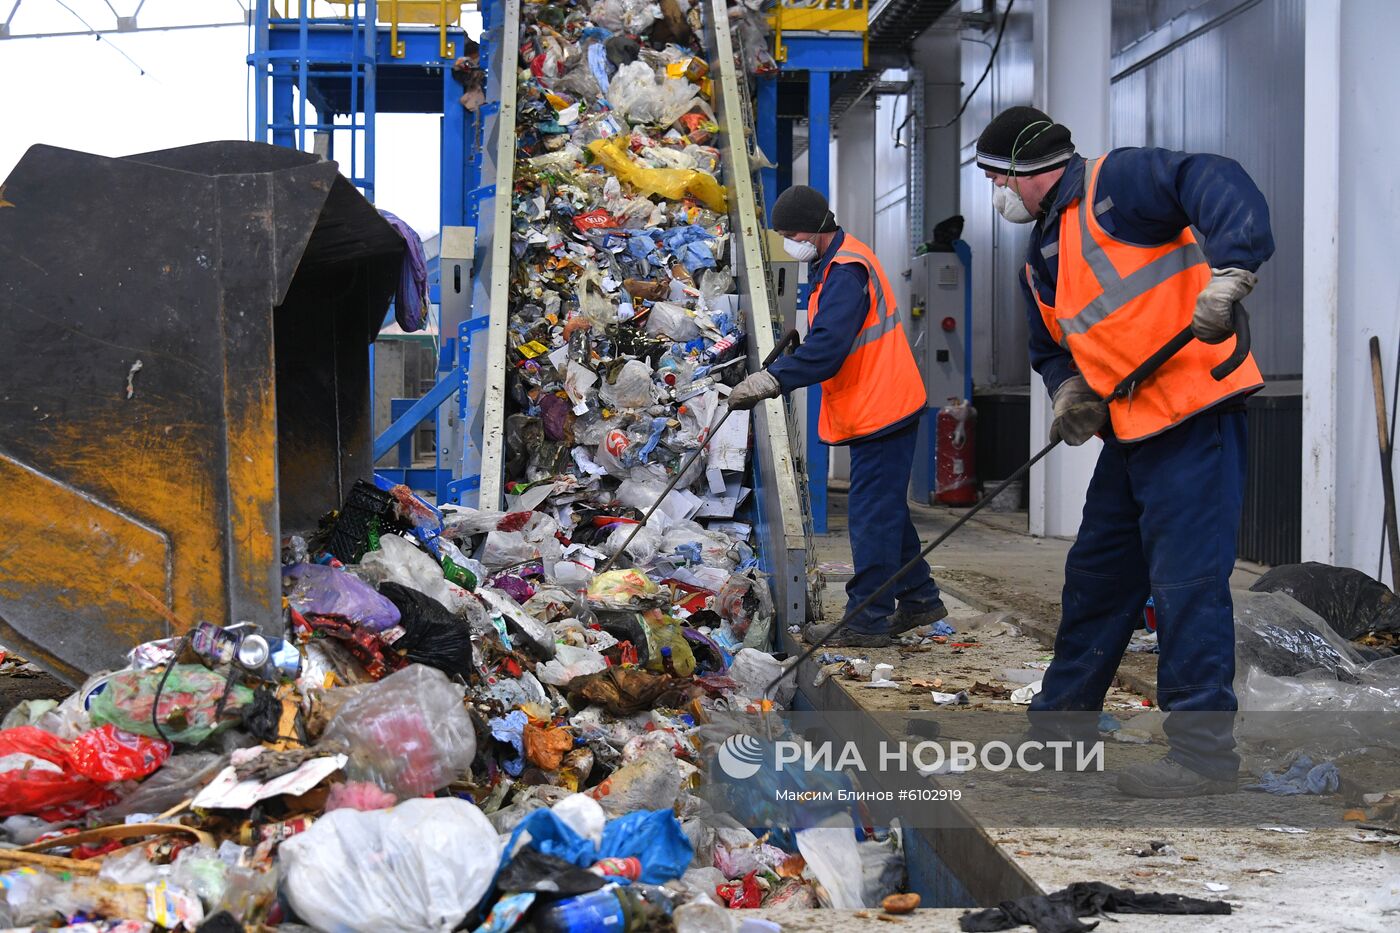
[
  {"x": 38, "y": 776},
  {"x": 188, "y": 703},
  {"x": 670, "y": 183},
  {"x": 621, "y": 588},
  {"x": 635, "y": 92},
  {"x": 432, "y": 635},
  {"x": 754, "y": 670},
  {"x": 652, "y": 782},
  {"x": 423, "y": 865},
  {"x": 883, "y": 871},
  {"x": 1353, "y": 604},
  {"x": 1283, "y": 638},
  {"x": 399, "y": 561},
  {"x": 328, "y": 591},
  {"x": 107, "y": 754},
  {"x": 833, "y": 857},
  {"x": 409, "y": 733},
  {"x": 631, "y": 387},
  {"x": 570, "y": 662},
  {"x": 671, "y": 320},
  {"x": 179, "y": 779}
]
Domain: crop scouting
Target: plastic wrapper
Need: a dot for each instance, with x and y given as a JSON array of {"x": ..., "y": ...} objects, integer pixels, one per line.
[
  {"x": 401, "y": 562},
  {"x": 670, "y": 183},
  {"x": 423, "y": 865},
  {"x": 409, "y": 733},
  {"x": 189, "y": 708},
  {"x": 38, "y": 776},
  {"x": 324, "y": 590}
]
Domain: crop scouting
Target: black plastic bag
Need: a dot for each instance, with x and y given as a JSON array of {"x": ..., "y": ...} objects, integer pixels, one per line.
[
  {"x": 546, "y": 875},
  {"x": 1352, "y": 603},
  {"x": 432, "y": 635}
]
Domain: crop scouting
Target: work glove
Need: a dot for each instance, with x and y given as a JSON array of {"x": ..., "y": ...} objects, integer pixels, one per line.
[
  {"x": 1214, "y": 320},
  {"x": 755, "y": 388},
  {"x": 1079, "y": 412}
]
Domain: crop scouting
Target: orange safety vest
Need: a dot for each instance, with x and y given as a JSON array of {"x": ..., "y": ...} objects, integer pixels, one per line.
[
  {"x": 879, "y": 384},
  {"x": 1117, "y": 303}
]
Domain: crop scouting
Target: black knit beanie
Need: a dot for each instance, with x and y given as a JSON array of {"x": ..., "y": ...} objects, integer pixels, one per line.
[
  {"x": 1023, "y": 141},
  {"x": 801, "y": 209}
]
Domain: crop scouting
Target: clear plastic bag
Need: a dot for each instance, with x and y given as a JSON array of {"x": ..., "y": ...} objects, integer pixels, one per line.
[
  {"x": 399, "y": 561},
  {"x": 423, "y": 865},
  {"x": 570, "y": 662},
  {"x": 409, "y": 733},
  {"x": 632, "y": 387},
  {"x": 179, "y": 779},
  {"x": 671, "y": 320},
  {"x": 330, "y": 591},
  {"x": 754, "y": 670},
  {"x": 652, "y": 782}
]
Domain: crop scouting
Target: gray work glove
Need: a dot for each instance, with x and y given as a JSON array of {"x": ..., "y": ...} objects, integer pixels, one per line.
[
  {"x": 1214, "y": 320},
  {"x": 1079, "y": 412},
  {"x": 755, "y": 388}
]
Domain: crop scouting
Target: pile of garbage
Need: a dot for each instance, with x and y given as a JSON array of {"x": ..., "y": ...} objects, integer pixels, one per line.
[{"x": 454, "y": 727}]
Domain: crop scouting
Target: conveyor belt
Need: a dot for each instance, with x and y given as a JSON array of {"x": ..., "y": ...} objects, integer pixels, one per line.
[{"x": 782, "y": 521}]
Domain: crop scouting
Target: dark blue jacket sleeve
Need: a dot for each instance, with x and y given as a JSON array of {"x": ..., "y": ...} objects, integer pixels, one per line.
[
  {"x": 1048, "y": 358},
  {"x": 1157, "y": 192},
  {"x": 845, "y": 301}
]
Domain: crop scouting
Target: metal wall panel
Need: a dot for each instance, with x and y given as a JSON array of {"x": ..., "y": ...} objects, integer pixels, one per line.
[
  {"x": 1226, "y": 77},
  {"x": 998, "y": 247}
]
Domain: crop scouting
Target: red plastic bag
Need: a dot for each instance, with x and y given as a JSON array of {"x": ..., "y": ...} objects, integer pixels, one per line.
[
  {"x": 108, "y": 754},
  {"x": 745, "y": 893},
  {"x": 37, "y": 777}
]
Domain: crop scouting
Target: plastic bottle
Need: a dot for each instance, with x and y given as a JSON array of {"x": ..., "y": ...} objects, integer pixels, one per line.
[
  {"x": 612, "y": 909},
  {"x": 668, "y": 664}
]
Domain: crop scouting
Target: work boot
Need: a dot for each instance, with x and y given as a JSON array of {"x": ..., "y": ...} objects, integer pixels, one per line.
[
  {"x": 848, "y": 637},
  {"x": 1165, "y": 779},
  {"x": 904, "y": 620}
]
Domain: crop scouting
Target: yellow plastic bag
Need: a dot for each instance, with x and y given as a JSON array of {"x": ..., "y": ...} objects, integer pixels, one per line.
[{"x": 671, "y": 183}]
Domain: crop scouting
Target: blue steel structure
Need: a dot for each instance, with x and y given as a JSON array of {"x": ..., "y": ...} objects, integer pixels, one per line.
[
  {"x": 819, "y": 56},
  {"x": 309, "y": 70}
]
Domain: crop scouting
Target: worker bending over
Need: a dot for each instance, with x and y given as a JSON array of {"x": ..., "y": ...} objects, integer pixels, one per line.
[
  {"x": 1112, "y": 273},
  {"x": 872, "y": 399}
]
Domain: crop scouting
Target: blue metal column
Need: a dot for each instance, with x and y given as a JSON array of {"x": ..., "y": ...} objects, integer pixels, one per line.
[
  {"x": 283, "y": 133},
  {"x": 767, "y": 129},
  {"x": 452, "y": 208},
  {"x": 819, "y": 177},
  {"x": 784, "y": 156}
]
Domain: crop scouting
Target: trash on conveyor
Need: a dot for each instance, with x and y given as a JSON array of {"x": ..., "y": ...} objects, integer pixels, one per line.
[{"x": 462, "y": 721}]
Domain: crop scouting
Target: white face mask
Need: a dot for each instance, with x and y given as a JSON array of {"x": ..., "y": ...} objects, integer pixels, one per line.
[
  {"x": 802, "y": 252},
  {"x": 1009, "y": 205}
]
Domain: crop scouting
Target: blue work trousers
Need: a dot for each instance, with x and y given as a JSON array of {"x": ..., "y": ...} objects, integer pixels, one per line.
[
  {"x": 1160, "y": 518},
  {"x": 883, "y": 537}
]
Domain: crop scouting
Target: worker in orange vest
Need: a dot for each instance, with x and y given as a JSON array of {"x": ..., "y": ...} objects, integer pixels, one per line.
[
  {"x": 857, "y": 347},
  {"x": 1113, "y": 271}
]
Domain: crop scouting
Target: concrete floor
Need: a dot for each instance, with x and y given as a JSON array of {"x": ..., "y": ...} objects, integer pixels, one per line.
[{"x": 1276, "y": 881}]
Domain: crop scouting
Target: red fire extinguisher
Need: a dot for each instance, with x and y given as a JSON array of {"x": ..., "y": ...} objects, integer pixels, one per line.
[{"x": 956, "y": 466}]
